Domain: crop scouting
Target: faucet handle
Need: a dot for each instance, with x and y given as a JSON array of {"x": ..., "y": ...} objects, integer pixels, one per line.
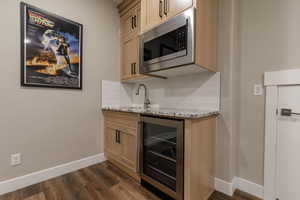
[{"x": 147, "y": 103}]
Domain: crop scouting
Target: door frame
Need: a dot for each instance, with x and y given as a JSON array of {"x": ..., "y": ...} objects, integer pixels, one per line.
[{"x": 272, "y": 81}]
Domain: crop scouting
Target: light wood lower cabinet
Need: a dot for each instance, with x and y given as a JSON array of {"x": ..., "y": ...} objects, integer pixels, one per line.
[
  {"x": 120, "y": 146},
  {"x": 199, "y": 158},
  {"x": 112, "y": 147},
  {"x": 129, "y": 151},
  {"x": 121, "y": 149}
]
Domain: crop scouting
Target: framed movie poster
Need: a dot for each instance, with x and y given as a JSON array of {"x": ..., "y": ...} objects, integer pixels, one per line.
[{"x": 51, "y": 50}]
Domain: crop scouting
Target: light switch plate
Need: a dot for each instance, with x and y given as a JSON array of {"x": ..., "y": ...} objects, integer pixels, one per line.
[
  {"x": 15, "y": 159},
  {"x": 258, "y": 90}
]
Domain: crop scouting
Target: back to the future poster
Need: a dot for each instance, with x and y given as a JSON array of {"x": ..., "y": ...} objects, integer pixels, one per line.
[{"x": 51, "y": 50}]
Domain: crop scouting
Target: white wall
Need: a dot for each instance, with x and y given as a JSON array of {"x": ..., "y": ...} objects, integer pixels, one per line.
[{"x": 54, "y": 126}]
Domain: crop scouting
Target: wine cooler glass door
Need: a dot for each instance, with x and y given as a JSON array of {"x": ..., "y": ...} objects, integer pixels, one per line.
[{"x": 162, "y": 151}]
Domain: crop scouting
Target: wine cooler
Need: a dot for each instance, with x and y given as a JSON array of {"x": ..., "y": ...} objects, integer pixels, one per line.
[{"x": 161, "y": 156}]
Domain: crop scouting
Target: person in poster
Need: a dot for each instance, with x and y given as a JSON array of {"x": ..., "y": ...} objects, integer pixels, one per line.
[
  {"x": 62, "y": 55},
  {"x": 51, "y": 50}
]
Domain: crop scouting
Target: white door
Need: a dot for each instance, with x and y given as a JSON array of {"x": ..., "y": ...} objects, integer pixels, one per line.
[{"x": 288, "y": 145}]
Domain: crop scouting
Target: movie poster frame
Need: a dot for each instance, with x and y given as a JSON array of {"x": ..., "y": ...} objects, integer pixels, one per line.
[{"x": 23, "y": 5}]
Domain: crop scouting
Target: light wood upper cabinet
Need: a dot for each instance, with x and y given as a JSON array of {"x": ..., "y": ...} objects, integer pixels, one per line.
[
  {"x": 156, "y": 12},
  {"x": 130, "y": 24},
  {"x": 206, "y": 30},
  {"x": 130, "y": 58},
  {"x": 127, "y": 26},
  {"x": 130, "y": 29},
  {"x": 175, "y": 7},
  {"x": 152, "y": 14},
  {"x": 140, "y": 16}
]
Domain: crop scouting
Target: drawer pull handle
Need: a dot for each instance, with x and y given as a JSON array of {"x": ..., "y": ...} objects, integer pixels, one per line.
[
  {"x": 166, "y": 10},
  {"x": 132, "y": 22},
  {"x": 160, "y": 8},
  {"x": 118, "y": 136}
]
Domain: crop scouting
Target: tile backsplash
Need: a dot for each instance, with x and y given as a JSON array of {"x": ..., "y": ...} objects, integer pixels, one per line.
[
  {"x": 199, "y": 91},
  {"x": 116, "y": 94}
]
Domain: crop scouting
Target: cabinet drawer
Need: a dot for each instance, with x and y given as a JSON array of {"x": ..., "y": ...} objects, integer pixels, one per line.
[
  {"x": 125, "y": 119},
  {"x": 121, "y": 127}
]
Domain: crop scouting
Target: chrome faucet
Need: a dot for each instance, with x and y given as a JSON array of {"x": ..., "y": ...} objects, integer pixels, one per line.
[{"x": 146, "y": 100}]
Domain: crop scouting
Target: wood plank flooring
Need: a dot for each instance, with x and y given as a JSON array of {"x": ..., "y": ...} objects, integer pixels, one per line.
[{"x": 98, "y": 182}]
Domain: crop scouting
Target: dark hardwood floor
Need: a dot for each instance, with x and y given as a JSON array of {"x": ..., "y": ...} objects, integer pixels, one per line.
[{"x": 98, "y": 182}]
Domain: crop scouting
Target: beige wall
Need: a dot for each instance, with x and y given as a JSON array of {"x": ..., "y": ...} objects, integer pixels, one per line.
[
  {"x": 53, "y": 126},
  {"x": 254, "y": 37},
  {"x": 228, "y": 63},
  {"x": 270, "y": 31}
]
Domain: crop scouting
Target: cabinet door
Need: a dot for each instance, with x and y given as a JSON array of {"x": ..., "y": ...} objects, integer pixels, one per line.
[
  {"x": 130, "y": 24},
  {"x": 112, "y": 147},
  {"x": 152, "y": 13},
  {"x": 129, "y": 151},
  {"x": 175, "y": 7},
  {"x": 130, "y": 60}
]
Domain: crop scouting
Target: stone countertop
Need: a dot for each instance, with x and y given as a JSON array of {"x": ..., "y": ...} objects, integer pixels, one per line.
[{"x": 165, "y": 112}]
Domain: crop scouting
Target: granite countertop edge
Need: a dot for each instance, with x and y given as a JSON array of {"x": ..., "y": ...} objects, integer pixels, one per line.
[{"x": 182, "y": 114}]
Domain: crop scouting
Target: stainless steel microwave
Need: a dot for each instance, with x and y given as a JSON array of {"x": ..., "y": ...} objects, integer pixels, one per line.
[{"x": 169, "y": 45}]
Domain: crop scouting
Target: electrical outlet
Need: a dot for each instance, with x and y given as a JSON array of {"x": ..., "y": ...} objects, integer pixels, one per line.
[
  {"x": 15, "y": 159},
  {"x": 258, "y": 90}
]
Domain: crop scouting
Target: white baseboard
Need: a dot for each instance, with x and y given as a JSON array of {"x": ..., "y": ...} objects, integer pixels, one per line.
[
  {"x": 249, "y": 187},
  {"x": 240, "y": 184},
  {"x": 40, "y": 176},
  {"x": 223, "y": 186}
]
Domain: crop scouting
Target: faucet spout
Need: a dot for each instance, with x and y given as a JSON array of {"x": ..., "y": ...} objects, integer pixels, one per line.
[{"x": 146, "y": 100}]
